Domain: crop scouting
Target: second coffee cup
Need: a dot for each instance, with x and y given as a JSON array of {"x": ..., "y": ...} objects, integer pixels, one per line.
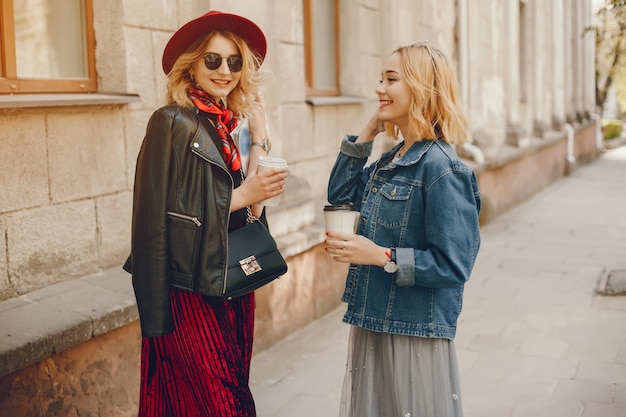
[{"x": 341, "y": 218}]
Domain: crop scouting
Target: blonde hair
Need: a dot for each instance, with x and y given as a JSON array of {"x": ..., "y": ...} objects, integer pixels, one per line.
[
  {"x": 435, "y": 108},
  {"x": 240, "y": 100}
]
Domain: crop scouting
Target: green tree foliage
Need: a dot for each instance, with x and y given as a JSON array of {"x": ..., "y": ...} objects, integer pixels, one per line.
[{"x": 611, "y": 52}]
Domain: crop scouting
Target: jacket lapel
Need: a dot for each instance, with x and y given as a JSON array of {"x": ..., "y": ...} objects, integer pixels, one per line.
[{"x": 203, "y": 143}]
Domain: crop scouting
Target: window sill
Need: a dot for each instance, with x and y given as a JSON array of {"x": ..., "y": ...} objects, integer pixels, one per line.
[
  {"x": 335, "y": 100},
  {"x": 65, "y": 100}
]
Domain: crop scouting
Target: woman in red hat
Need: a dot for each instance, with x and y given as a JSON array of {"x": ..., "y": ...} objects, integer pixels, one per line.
[{"x": 189, "y": 193}]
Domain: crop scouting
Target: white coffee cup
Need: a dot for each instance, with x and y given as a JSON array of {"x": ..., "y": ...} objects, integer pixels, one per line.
[
  {"x": 341, "y": 218},
  {"x": 270, "y": 162}
]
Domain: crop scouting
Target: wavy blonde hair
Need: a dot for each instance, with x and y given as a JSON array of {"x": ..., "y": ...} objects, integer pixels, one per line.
[
  {"x": 239, "y": 100},
  {"x": 435, "y": 108}
]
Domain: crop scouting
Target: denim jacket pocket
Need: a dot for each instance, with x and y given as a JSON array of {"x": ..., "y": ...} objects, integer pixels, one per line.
[{"x": 394, "y": 204}]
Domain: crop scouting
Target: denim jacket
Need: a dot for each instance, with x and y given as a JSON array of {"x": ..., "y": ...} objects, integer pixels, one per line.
[{"x": 426, "y": 206}]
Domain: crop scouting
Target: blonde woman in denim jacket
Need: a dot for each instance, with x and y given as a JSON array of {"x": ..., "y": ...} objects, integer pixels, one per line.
[{"x": 415, "y": 244}]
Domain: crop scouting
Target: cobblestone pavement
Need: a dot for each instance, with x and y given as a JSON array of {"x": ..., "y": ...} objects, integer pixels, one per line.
[{"x": 537, "y": 337}]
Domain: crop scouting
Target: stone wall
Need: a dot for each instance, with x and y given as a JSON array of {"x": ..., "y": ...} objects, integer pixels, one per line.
[
  {"x": 65, "y": 195},
  {"x": 96, "y": 378}
]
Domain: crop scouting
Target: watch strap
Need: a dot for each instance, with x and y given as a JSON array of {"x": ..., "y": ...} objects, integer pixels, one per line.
[{"x": 265, "y": 144}]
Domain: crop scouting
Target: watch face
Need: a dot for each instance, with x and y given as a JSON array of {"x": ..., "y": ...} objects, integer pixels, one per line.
[
  {"x": 390, "y": 267},
  {"x": 265, "y": 145}
]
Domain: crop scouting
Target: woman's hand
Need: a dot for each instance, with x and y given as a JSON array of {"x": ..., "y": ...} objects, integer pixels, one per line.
[
  {"x": 355, "y": 249},
  {"x": 371, "y": 129},
  {"x": 257, "y": 122},
  {"x": 258, "y": 187}
]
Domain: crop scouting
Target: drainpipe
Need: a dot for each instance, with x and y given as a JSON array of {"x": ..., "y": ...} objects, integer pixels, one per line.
[
  {"x": 569, "y": 130},
  {"x": 472, "y": 150},
  {"x": 599, "y": 138}
]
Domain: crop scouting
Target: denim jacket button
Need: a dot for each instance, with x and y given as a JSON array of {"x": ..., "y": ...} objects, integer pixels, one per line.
[{"x": 374, "y": 189}]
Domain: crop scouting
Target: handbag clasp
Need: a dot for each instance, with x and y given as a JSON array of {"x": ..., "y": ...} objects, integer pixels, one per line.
[{"x": 249, "y": 265}]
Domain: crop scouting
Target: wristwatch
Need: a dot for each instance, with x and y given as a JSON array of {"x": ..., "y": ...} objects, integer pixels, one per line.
[
  {"x": 390, "y": 266},
  {"x": 265, "y": 144}
]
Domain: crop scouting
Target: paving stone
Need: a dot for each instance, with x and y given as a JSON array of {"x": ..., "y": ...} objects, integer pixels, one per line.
[
  {"x": 569, "y": 390},
  {"x": 604, "y": 410}
]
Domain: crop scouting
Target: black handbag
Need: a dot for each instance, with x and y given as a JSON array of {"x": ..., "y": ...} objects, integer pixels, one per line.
[{"x": 253, "y": 258}]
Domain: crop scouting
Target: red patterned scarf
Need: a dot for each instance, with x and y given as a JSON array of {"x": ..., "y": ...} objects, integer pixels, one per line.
[{"x": 226, "y": 123}]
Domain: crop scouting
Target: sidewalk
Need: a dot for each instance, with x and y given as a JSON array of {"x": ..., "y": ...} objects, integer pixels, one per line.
[{"x": 535, "y": 339}]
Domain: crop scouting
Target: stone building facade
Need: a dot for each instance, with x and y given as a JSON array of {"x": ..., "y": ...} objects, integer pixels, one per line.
[{"x": 67, "y": 314}]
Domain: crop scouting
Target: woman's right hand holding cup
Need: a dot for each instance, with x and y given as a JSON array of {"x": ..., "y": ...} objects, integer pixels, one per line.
[
  {"x": 258, "y": 187},
  {"x": 266, "y": 183}
]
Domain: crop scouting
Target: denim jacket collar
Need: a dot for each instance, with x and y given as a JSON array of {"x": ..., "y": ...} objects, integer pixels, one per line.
[{"x": 412, "y": 155}]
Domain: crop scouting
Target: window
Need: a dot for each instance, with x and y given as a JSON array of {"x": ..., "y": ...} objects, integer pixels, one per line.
[
  {"x": 47, "y": 46},
  {"x": 321, "y": 42}
]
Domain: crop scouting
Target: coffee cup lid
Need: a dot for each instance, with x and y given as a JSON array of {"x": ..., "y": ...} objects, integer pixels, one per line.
[
  {"x": 340, "y": 207},
  {"x": 271, "y": 161}
]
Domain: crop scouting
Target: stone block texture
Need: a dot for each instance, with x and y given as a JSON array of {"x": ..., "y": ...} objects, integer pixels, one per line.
[{"x": 97, "y": 378}]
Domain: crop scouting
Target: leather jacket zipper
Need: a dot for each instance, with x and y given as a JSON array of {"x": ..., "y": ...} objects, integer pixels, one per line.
[
  {"x": 227, "y": 218},
  {"x": 185, "y": 217}
]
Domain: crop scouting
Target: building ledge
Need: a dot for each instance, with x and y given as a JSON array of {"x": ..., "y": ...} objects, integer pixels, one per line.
[
  {"x": 335, "y": 100},
  {"x": 507, "y": 154},
  {"x": 51, "y": 320},
  {"x": 12, "y": 101}
]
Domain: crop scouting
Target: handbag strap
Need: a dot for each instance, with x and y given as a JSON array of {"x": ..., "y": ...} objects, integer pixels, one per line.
[{"x": 250, "y": 218}]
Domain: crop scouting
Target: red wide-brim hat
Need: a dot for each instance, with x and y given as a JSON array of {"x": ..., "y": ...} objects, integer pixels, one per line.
[{"x": 182, "y": 39}]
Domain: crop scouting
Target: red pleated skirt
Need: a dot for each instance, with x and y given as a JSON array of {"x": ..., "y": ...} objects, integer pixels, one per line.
[{"x": 202, "y": 368}]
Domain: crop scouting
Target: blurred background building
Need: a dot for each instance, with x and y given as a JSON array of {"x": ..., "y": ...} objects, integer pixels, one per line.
[{"x": 80, "y": 78}]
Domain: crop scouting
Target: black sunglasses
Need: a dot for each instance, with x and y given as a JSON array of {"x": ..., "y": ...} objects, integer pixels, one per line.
[{"x": 214, "y": 61}]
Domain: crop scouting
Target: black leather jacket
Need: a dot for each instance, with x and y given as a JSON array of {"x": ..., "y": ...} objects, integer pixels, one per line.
[{"x": 180, "y": 220}]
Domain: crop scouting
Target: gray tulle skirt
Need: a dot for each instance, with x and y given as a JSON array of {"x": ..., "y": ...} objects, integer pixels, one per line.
[{"x": 390, "y": 375}]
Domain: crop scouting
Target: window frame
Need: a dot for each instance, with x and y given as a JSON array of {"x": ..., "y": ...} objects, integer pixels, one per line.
[
  {"x": 9, "y": 81},
  {"x": 309, "y": 45}
]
